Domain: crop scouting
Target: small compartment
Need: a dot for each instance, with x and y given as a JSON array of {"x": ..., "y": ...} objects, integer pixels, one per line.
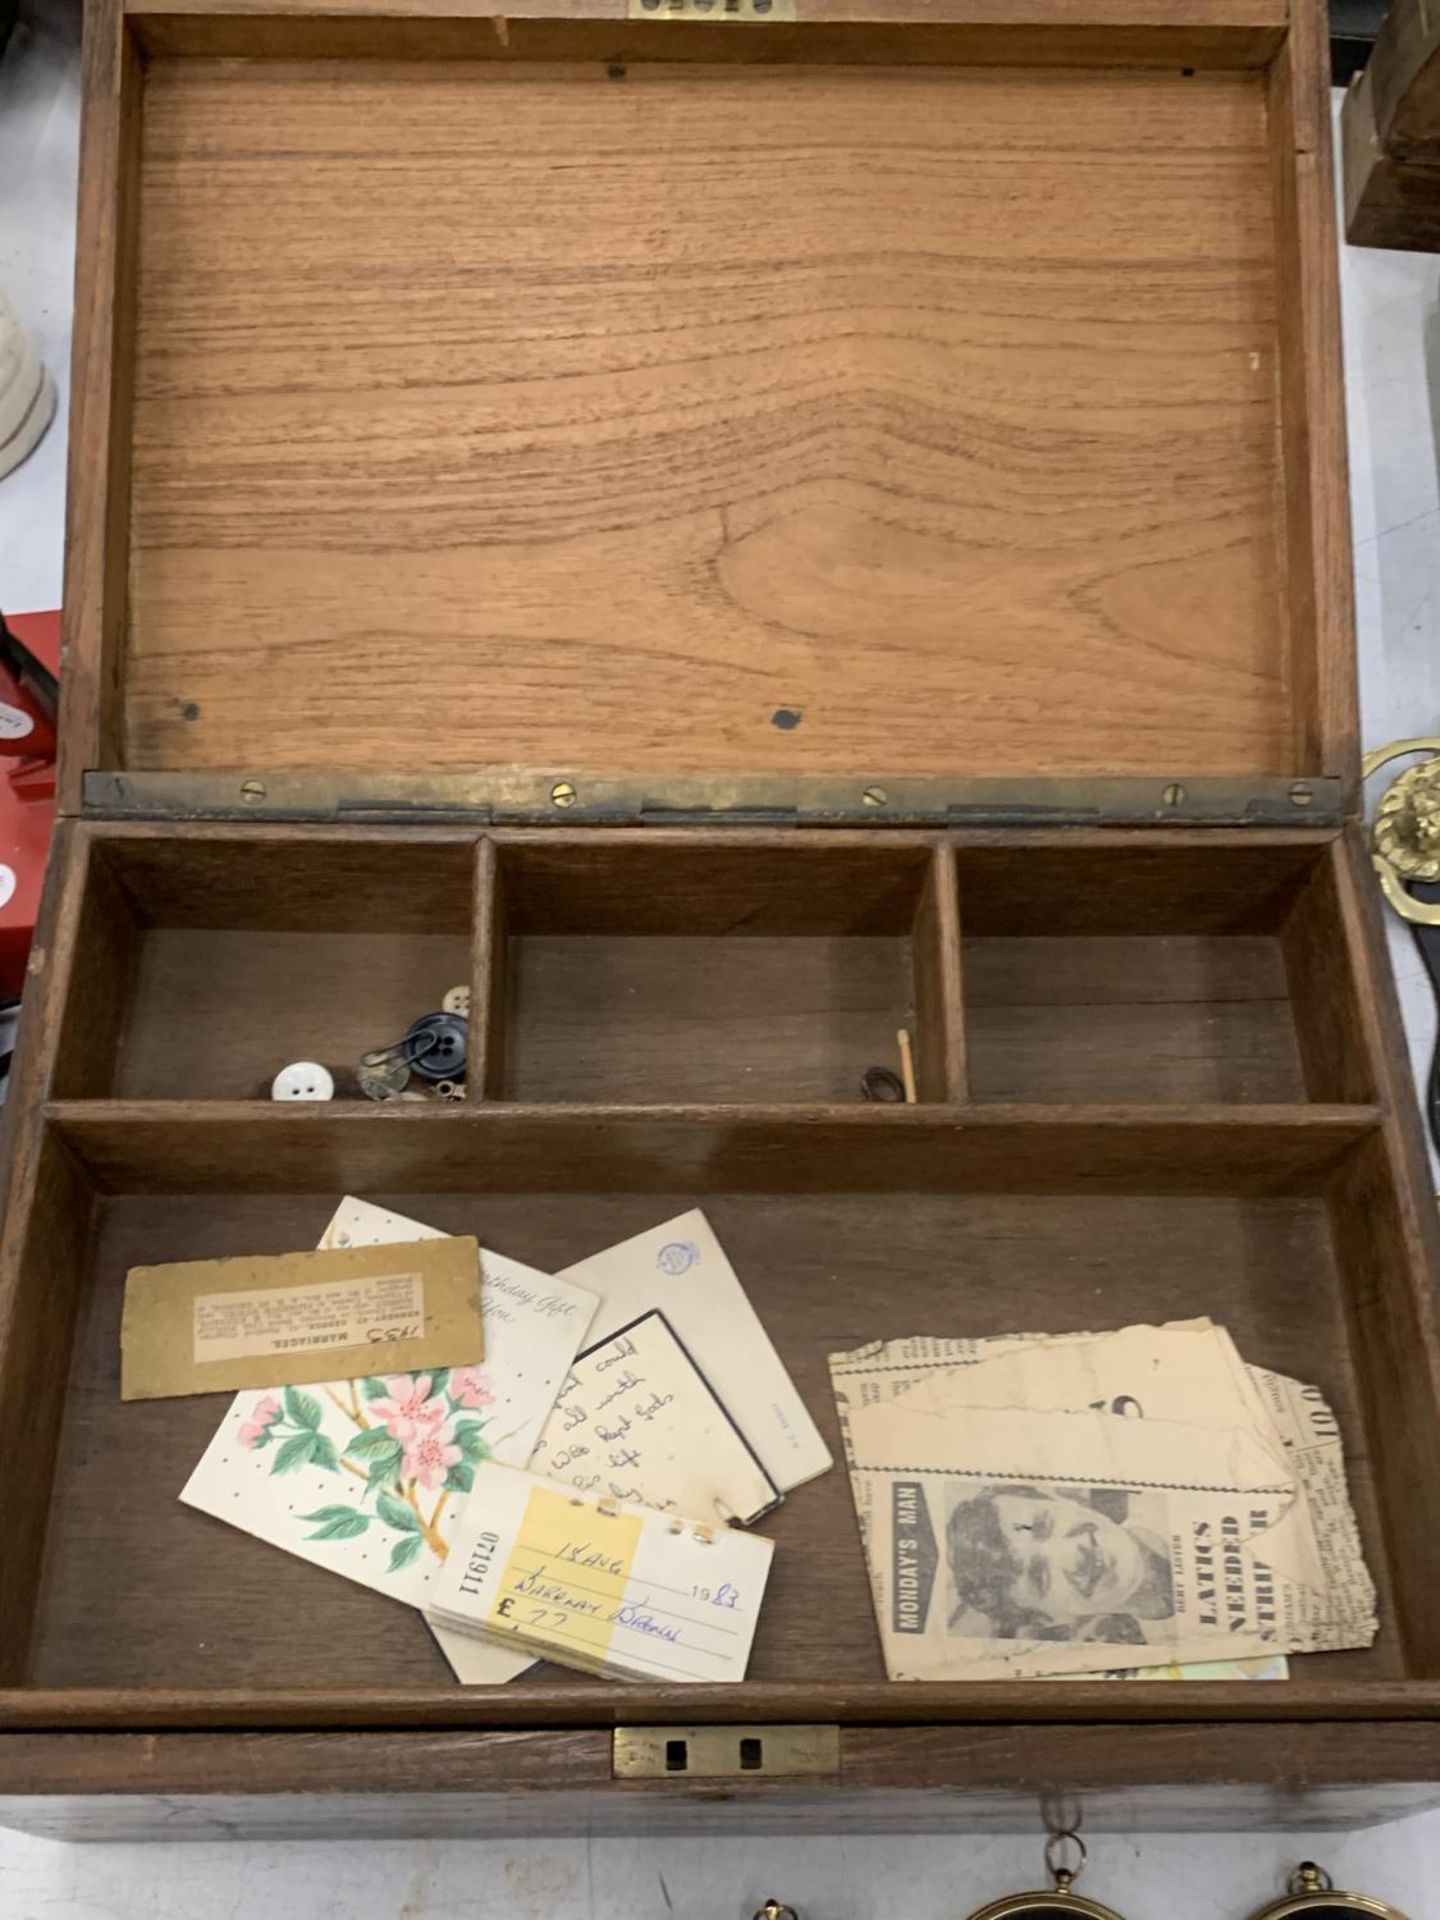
[
  {"x": 1131, "y": 1017},
  {"x": 672, "y": 969},
  {"x": 203, "y": 970},
  {"x": 190, "y": 1603},
  {"x": 1135, "y": 973}
]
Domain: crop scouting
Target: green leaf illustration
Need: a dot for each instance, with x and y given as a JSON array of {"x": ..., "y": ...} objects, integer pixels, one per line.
[
  {"x": 325, "y": 1454},
  {"x": 337, "y": 1523},
  {"x": 440, "y": 1380},
  {"x": 374, "y": 1389},
  {"x": 470, "y": 1438},
  {"x": 460, "y": 1479},
  {"x": 302, "y": 1408},
  {"x": 297, "y": 1452},
  {"x": 404, "y": 1551},
  {"x": 384, "y": 1474},
  {"x": 397, "y": 1513},
  {"x": 377, "y": 1453}
]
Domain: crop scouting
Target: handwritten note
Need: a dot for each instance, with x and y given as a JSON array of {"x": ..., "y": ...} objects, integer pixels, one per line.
[
  {"x": 605, "y": 1586},
  {"x": 680, "y": 1270},
  {"x": 637, "y": 1420}
]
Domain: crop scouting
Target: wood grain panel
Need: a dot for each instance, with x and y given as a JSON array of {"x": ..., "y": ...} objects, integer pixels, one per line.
[
  {"x": 1319, "y": 585},
  {"x": 939, "y": 989},
  {"x": 1386, "y": 1237},
  {"x": 897, "y": 15},
  {"x": 190, "y": 1602},
  {"x": 225, "y": 1147},
  {"x": 214, "y": 1016},
  {"x": 1206, "y": 34},
  {"x": 1163, "y": 1018},
  {"x": 489, "y": 984},
  {"x": 570, "y": 1702},
  {"x": 279, "y": 879},
  {"x": 1329, "y": 978},
  {"x": 1157, "y": 883},
  {"x": 97, "y": 507},
  {"x": 90, "y": 1015},
  {"x": 1193, "y": 1778},
  {"x": 42, "y": 1279},
  {"x": 706, "y": 418},
  {"x": 720, "y": 883},
  {"x": 596, "y": 1018}
]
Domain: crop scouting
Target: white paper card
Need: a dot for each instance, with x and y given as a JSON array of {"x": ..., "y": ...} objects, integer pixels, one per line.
[
  {"x": 637, "y": 1420},
  {"x": 300, "y": 1468},
  {"x": 681, "y": 1268},
  {"x": 608, "y": 1587}
]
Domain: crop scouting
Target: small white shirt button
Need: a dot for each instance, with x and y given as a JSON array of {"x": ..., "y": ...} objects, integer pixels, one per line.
[{"x": 303, "y": 1080}]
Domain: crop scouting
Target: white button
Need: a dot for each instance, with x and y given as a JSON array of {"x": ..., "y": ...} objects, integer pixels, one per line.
[
  {"x": 303, "y": 1080},
  {"x": 457, "y": 1000}
]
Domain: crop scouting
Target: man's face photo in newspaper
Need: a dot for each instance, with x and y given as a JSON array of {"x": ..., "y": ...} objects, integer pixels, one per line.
[{"x": 1048, "y": 1563}]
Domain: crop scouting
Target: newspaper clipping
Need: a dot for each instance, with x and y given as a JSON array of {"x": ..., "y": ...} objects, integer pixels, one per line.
[{"x": 1090, "y": 1504}]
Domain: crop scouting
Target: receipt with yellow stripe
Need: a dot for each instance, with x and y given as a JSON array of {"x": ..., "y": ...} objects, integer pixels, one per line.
[{"x": 604, "y": 1585}]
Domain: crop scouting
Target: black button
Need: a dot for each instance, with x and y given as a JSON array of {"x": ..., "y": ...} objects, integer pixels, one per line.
[{"x": 434, "y": 1046}]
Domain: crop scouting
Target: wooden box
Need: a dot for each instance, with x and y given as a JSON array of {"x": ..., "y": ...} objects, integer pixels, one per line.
[{"x": 732, "y": 530}]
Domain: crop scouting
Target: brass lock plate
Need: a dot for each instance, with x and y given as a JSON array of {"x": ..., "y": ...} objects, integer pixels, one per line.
[{"x": 723, "y": 1753}]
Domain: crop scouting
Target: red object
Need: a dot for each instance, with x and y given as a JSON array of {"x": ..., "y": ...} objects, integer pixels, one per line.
[{"x": 27, "y": 788}]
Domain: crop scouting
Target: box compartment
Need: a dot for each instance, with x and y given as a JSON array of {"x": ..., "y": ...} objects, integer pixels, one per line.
[
  {"x": 1125, "y": 972},
  {"x": 200, "y": 979},
  {"x": 191, "y": 1603},
  {"x": 670, "y": 970}
]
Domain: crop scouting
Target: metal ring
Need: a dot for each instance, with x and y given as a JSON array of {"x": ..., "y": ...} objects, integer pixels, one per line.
[
  {"x": 1061, "y": 1813},
  {"x": 1054, "y": 1864},
  {"x": 1308, "y": 1878},
  {"x": 1396, "y": 750},
  {"x": 880, "y": 1083}
]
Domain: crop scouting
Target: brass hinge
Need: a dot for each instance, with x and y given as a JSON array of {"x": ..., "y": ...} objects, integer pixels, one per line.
[
  {"x": 724, "y": 1753},
  {"x": 523, "y": 797}
]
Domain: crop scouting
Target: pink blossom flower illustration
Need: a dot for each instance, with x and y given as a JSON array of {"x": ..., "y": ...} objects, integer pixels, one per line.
[
  {"x": 470, "y": 1387},
  {"x": 263, "y": 1416},
  {"x": 430, "y": 1453},
  {"x": 407, "y": 1407}
]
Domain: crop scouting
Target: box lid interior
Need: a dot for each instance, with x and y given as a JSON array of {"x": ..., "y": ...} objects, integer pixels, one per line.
[{"x": 699, "y": 423}]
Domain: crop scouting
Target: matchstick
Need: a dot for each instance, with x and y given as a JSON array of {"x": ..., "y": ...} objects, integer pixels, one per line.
[{"x": 907, "y": 1065}]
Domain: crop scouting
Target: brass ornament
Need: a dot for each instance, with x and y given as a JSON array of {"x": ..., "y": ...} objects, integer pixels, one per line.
[
  {"x": 1059, "y": 1902},
  {"x": 1312, "y": 1892},
  {"x": 1405, "y": 835}
]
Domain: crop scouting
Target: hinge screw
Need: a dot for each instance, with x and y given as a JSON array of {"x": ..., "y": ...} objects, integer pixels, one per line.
[
  {"x": 875, "y": 796},
  {"x": 1301, "y": 794},
  {"x": 562, "y": 794},
  {"x": 252, "y": 792},
  {"x": 1174, "y": 794}
]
